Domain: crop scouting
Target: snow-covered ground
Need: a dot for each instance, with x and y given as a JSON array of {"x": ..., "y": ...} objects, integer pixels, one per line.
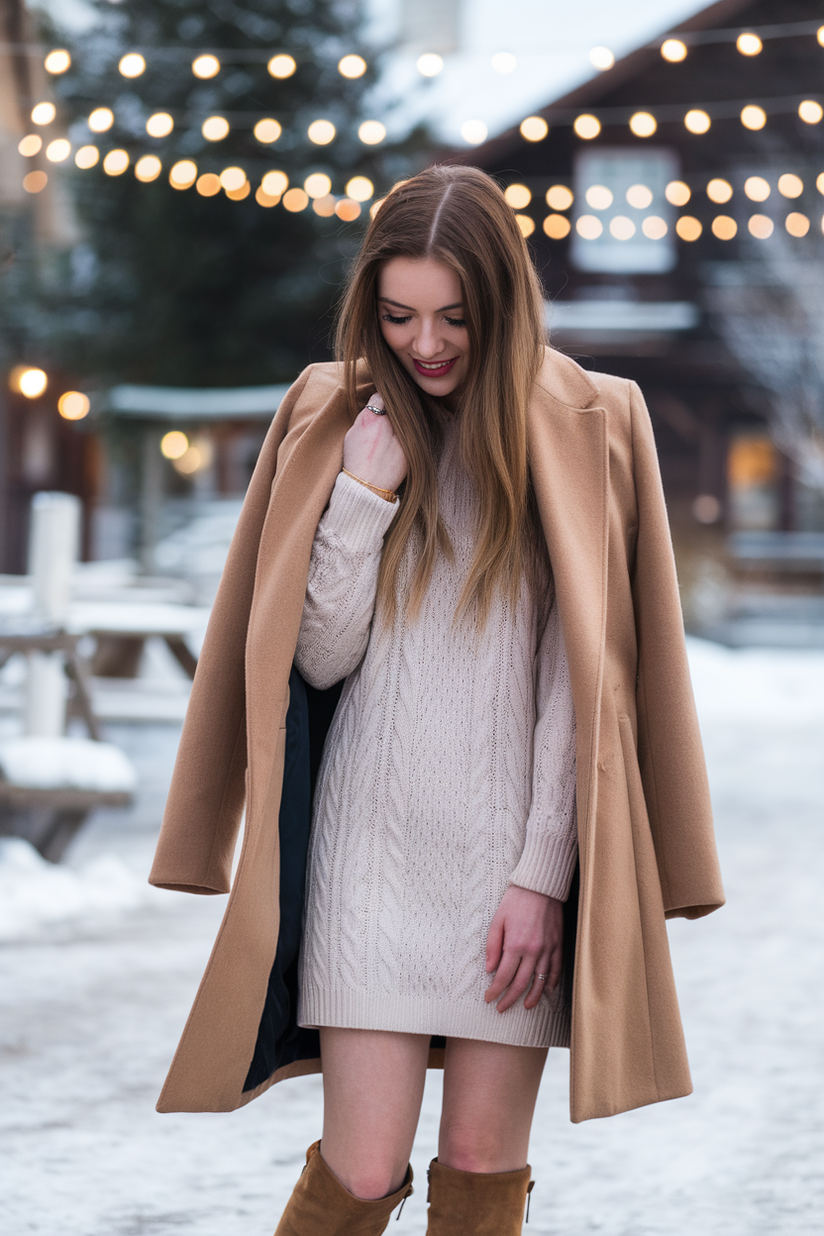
[{"x": 98, "y": 972}]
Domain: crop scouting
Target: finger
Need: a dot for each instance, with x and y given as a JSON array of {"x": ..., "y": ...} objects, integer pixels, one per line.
[
  {"x": 539, "y": 985},
  {"x": 520, "y": 983},
  {"x": 376, "y": 401},
  {"x": 494, "y": 945},
  {"x": 505, "y": 973},
  {"x": 556, "y": 963}
]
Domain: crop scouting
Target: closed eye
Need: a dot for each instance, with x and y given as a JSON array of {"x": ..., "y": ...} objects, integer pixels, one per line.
[
  {"x": 387, "y": 317},
  {"x": 455, "y": 321}
]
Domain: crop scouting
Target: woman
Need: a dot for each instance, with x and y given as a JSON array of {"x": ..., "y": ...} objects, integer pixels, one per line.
[{"x": 479, "y": 554}]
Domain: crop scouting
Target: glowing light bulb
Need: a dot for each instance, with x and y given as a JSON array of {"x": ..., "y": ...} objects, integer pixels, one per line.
[
  {"x": 148, "y": 168},
  {"x": 643, "y": 124},
  {"x": 559, "y": 197},
  {"x": 132, "y": 65},
  {"x": 318, "y": 184},
  {"x": 360, "y": 189},
  {"x": 159, "y": 125},
  {"x": 517, "y": 196},
  {"x": 601, "y": 58},
  {"x": 86, "y": 157},
  {"x": 371, "y": 132},
  {"x": 697, "y": 121},
  {"x": 352, "y": 66},
  {"x": 116, "y": 162},
  {"x": 753, "y": 117},
  {"x": 43, "y": 113},
  {"x": 749, "y": 44},
  {"x": 534, "y": 128},
  {"x": 267, "y": 131},
  {"x": 73, "y": 405},
  {"x": 587, "y": 127},
  {"x": 206, "y": 66},
  {"x": 674, "y": 50},
  {"x": 101, "y": 120},
  {"x": 215, "y": 128},
  {"x": 282, "y": 66},
  {"x": 174, "y": 444},
  {"x": 430, "y": 64},
  {"x": 474, "y": 132},
  {"x": 57, "y": 61},
  {"x": 321, "y": 132}
]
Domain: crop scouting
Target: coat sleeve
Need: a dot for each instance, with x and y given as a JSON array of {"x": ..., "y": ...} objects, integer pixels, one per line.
[
  {"x": 670, "y": 753},
  {"x": 206, "y": 797}
]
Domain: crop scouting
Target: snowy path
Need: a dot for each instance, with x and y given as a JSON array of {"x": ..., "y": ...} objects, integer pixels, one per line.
[{"x": 92, "y": 1007}]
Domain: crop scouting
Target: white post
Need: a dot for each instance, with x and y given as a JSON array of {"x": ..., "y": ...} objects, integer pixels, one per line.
[{"x": 54, "y": 541}]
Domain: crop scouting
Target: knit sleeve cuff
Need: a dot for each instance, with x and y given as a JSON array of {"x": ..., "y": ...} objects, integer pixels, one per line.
[
  {"x": 357, "y": 516},
  {"x": 547, "y": 863}
]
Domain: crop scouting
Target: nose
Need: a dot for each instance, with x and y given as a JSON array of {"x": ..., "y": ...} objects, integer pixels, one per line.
[{"x": 429, "y": 341}]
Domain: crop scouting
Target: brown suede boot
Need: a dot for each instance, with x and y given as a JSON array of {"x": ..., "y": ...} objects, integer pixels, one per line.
[
  {"x": 476, "y": 1203},
  {"x": 321, "y": 1206}
]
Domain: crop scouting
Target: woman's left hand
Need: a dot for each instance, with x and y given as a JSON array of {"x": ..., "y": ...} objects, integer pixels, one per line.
[{"x": 525, "y": 940}]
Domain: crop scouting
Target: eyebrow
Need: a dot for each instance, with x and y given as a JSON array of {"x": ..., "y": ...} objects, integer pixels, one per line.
[{"x": 386, "y": 300}]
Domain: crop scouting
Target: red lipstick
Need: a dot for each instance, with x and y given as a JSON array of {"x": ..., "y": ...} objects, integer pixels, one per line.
[{"x": 427, "y": 370}]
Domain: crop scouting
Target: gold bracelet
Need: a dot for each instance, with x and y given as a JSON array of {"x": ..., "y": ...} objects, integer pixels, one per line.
[{"x": 388, "y": 495}]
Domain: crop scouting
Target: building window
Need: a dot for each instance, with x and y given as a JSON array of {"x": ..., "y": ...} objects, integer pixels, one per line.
[{"x": 623, "y": 223}]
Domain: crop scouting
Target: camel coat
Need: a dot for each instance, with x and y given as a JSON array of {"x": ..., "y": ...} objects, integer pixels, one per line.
[{"x": 254, "y": 732}]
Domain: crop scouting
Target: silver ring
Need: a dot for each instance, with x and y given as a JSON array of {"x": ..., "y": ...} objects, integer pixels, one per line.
[
  {"x": 377, "y": 411},
  {"x": 542, "y": 977}
]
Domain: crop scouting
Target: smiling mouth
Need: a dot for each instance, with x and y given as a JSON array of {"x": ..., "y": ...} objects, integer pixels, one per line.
[{"x": 434, "y": 370}]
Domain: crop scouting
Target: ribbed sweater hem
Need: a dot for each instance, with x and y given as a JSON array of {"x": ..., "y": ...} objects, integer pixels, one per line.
[
  {"x": 543, "y": 1026},
  {"x": 547, "y": 863}
]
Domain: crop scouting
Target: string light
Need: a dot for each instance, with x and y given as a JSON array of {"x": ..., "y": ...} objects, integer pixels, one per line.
[
  {"x": 790, "y": 185},
  {"x": 556, "y": 226},
  {"x": 430, "y": 64},
  {"x": 749, "y": 44},
  {"x": 265, "y": 199},
  {"x": 148, "y": 168},
  {"x": 761, "y": 227},
  {"x": 116, "y": 162},
  {"x": 267, "y": 131},
  {"x": 797, "y": 224},
  {"x": 57, "y": 61},
  {"x": 295, "y": 200},
  {"x": 589, "y": 228},
  {"x": 238, "y": 195},
  {"x": 820, "y": 35},
  {"x": 601, "y": 58},
  {"x": 810, "y": 111},
  {"x": 352, "y": 66},
  {"x": 86, "y": 157},
  {"x": 674, "y": 50},
  {"x": 559, "y": 197},
  {"x": 31, "y": 383},
  {"x": 43, "y": 113},
  {"x": 621, "y": 227},
  {"x": 724, "y": 228},
  {"x": 318, "y": 184},
  {"x": 688, "y": 228},
  {"x": 174, "y": 444},
  {"x": 215, "y": 128},
  {"x": 719, "y": 191},
  {"x": 183, "y": 174},
  {"x": 275, "y": 184},
  {"x": 101, "y": 119},
  {"x": 348, "y": 210},
  {"x": 73, "y": 405},
  {"x": 58, "y": 150},
  {"x": 526, "y": 225},
  {"x": 30, "y": 145},
  {"x": 324, "y": 206},
  {"x": 321, "y": 132},
  {"x": 756, "y": 188},
  {"x": 232, "y": 179},
  {"x": 517, "y": 196},
  {"x": 819, "y": 180},
  {"x": 360, "y": 189},
  {"x": 677, "y": 193},
  {"x": 654, "y": 227},
  {"x": 474, "y": 132},
  {"x": 639, "y": 197},
  {"x": 159, "y": 125},
  {"x": 587, "y": 127},
  {"x": 371, "y": 132},
  {"x": 599, "y": 197},
  {"x": 697, "y": 120},
  {"x": 132, "y": 65},
  {"x": 643, "y": 124},
  {"x": 208, "y": 185},
  {"x": 206, "y": 66},
  {"x": 534, "y": 128},
  {"x": 282, "y": 66},
  {"x": 753, "y": 117},
  {"x": 504, "y": 62}
]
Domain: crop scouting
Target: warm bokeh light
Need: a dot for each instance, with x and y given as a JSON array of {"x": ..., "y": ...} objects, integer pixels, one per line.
[
  {"x": 724, "y": 228},
  {"x": 526, "y": 224},
  {"x": 116, "y": 162},
  {"x": 208, "y": 185},
  {"x": 688, "y": 228},
  {"x": 275, "y": 184},
  {"x": 266, "y": 199},
  {"x": 587, "y": 127},
  {"x": 35, "y": 182},
  {"x": 761, "y": 227},
  {"x": 697, "y": 121},
  {"x": 819, "y": 180},
  {"x": 148, "y": 168},
  {"x": 810, "y": 111},
  {"x": 238, "y": 195},
  {"x": 756, "y": 188},
  {"x": 559, "y": 197},
  {"x": 58, "y": 150},
  {"x": 352, "y": 66},
  {"x": 753, "y": 117},
  {"x": 601, "y": 58},
  {"x": 348, "y": 210},
  {"x": 504, "y": 62},
  {"x": 820, "y": 35},
  {"x": 215, "y": 128},
  {"x": 57, "y": 61},
  {"x": 639, "y": 196},
  {"x": 534, "y": 129},
  {"x": 321, "y": 132},
  {"x": 159, "y": 125},
  {"x": 599, "y": 197},
  {"x": 517, "y": 196},
  {"x": 588, "y": 227},
  {"x": 295, "y": 200},
  {"x": 101, "y": 119},
  {"x": 195, "y": 458},
  {"x": 318, "y": 184},
  {"x": 474, "y": 132},
  {"x": 132, "y": 65},
  {"x": 232, "y": 179},
  {"x": 430, "y": 64},
  {"x": 360, "y": 189},
  {"x": 206, "y": 66},
  {"x": 174, "y": 444},
  {"x": 30, "y": 145},
  {"x": 267, "y": 131},
  {"x": 674, "y": 50},
  {"x": 324, "y": 206},
  {"x": 622, "y": 227},
  {"x": 371, "y": 132},
  {"x": 183, "y": 174},
  {"x": 86, "y": 157},
  {"x": 790, "y": 185},
  {"x": 749, "y": 44},
  {"x": 643, "y": 124},
  {"x": 73, "y": 405},
  {"x": 719, "y": 190},
  {"x": 797, "y": 224},
  {"x": 654, "y": 227},
  {"x": 556, "y": 226},
  {"x": 282, "y": 66},
  {"x": 43, "y": 113},
  {"x": 677, "y": 193},
  {"x": 29, "y": 382}
]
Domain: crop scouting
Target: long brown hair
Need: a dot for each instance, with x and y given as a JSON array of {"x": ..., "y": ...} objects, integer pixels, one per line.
[{"x": 458, "y": 216}]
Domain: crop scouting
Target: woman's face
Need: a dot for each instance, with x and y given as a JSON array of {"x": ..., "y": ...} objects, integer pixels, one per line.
[{"x": 422, "y": 319}]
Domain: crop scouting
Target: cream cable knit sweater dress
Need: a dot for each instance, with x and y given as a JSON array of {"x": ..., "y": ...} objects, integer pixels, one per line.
[{"x": 448, "y": 772}]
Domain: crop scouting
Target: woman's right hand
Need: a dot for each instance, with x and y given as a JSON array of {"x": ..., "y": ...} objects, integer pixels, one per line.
[{"x": 372, "y": 452}]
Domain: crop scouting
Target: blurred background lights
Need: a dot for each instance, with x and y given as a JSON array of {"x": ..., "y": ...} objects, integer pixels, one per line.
[
  {"x": 674, "y": 50},
  {"x": 654, "y": 227},
  {"x": 819, "y": 180},
  {"x": 282, "y": 66},
  {"x": 749, "y": 44},
  {"x": 267, "y": 131},
  {"x": 30, "y": 145},
  {"x": 599, "y": 197},
  {"x": 517, "y": 196},
  {"x": 643, "y": 124},
  {"x": 504, "y": 62},
  {"x": 360, "y": 189},
  {"x": 820, "y": 35},
  {"x": 318, "y": 184},
  {"x": 324, "y": 206},
  {"x": 215, "y": 128},
  {"x": 761, "y": 227},
  {"x": 719, "y": 190},
  {"x": 206, "y": 66},
  {"x": 159, "y": 125},
  {"x": 587, "y": 127},
  {"x": 148, "y": 168},
  {"x": 639, "y": 196},
  {"x": 43, "y": 113},
  {"x": 101, "y": 119},
  {"x": 35, "y": 182},
  {"x": 557, "y": 226},
  {"x": 183, "y": 174},
  {"x": 430, "y": 64},
  {"x": 321, "y": 132},
  {"x": 526, "y": 224},
  {"x": 677, "y": 193},
  {"x": 688, "y": 228},
  {"x": 724, "y": 228},
  {"x": 348, "y": 210},
  {"x": 174, "y": 444},
  {"x": 295, "y": 200},
  {"x": 790, "y": 185},
  {"x": 197, "y": 456},
  {"x": 232, "y": 179},
  {"x": 58, "y": 150},
  {"x": 375, "y": 207},
  {"x": 697, "y": 120},
  {"x": 371, "y": 132},
  {"x": 474, "y": 132},
  {"x": 29, "y": 382},
  {"x": 208, "y": 185},
  {"x": 810, "y": 111},
  {"x": 622, "y": 227},
  {"x": 238, "y": 195},
  {"x": 534, "y": 128},
  {"x": 274, "y": 184},
  {"x": 559, "y": 197},
  {"x": 86, "y": 157},
  {"x": 265, "y": 199},
  {"x": 797, "y": 224},
  {"x": 601, "y": 58},
  {"x": 73, "y": 405},
  {"x": 352, "y": 66},
  {"x": 132, "y": 65},
  {"x": 116, "y": 162},
  {"x": 588, "y": 227},
  {"x": 756, "y": 188},
  {"x": 753, "y": 117},
  {"x": 57, "y": 61}
]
